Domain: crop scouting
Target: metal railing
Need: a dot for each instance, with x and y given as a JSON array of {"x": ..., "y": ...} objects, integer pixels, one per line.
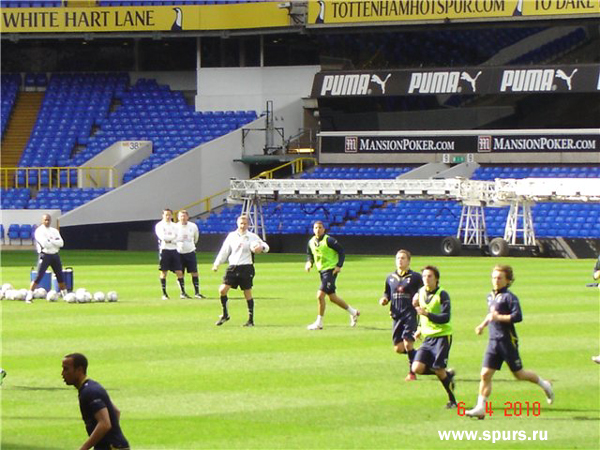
[
  {"x": 298, "y": 165},
  {"x": 55, "y": 177}
]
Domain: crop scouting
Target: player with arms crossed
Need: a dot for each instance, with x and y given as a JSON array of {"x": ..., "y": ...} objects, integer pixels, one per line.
[
  {"x": 400, "y": 289},
  {"x": 169, "y": 259},
  {"x": 328, "y": 256},
  {"x": 504, "y": 311},
  {"x": 187, "y": 238},
  {"x": 239, "y": 248},
  {"x": 48, "y": 242}
]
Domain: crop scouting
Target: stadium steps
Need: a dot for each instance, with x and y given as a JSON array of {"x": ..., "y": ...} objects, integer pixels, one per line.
[{"x": 18, "y": 131}]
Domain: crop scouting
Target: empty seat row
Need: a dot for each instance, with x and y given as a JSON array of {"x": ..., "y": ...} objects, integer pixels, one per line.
[
  {"x": 17, "y": 233},
  {"x": 553, "y": 171}
]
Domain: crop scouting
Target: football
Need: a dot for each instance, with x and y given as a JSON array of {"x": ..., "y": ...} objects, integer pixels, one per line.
[
  {"x": 99, "y": 296},
  {"x": 80, "y": 295},
  {"x": 22, "y": 293},
  {"x": 112, "y": 296},
  {"x": 52, "y": 295},
  {"x": 256, "y": 247},
  {"x": 39, "y": 293},
  {"x": 70, "y": 298},
  {"x": 7, "y": 286},
  {"x": 87, "y": 297}
]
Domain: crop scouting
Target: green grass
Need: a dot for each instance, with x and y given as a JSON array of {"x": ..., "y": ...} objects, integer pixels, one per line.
[{"x": 182, "y": 383}]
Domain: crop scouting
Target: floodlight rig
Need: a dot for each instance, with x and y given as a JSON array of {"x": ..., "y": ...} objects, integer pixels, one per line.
[{"x": 474, "y": 195}]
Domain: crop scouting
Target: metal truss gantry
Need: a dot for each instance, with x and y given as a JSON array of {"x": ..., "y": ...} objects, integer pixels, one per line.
[{"x": 519, "y": 194}]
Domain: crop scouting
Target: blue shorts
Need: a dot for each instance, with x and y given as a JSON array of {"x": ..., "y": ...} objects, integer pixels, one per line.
[
  {"x": 500, "y": 350},
  {"x": 434, "y": 352},
  {"x": 169, "y": 260},
  {"x": 189, "y": 262},
  {"x": 327, "y": 281},
  {"x": 404, "y": 329}
]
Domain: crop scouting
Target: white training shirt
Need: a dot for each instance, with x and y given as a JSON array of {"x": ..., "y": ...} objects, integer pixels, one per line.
[
  {"x": 48, "y": 240},
  {"x": 236, "y": 248},
  {"x": 187, "y": 237},
  {"x": 166, "y": 232}
]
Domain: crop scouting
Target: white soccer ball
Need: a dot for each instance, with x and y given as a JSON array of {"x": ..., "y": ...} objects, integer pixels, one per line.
[
  {"x": 70, "y": 298},
  {"x": 80, "y": 295},
  {"x": 99, "y": 296},
  {"x": 112, "y": 296},
  {"x": 52, "y": 295},
  {"x": 22, "y": 294},
  {"x": 10, "y": 294},
  {"x": 87, "y": 297},
  {"x": 256, "y": 247},
  {"x": 40, "y": 293},
  {"x": 7, "y": 286}
]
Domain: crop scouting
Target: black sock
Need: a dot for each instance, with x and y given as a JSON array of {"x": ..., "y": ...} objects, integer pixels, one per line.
[
  {"x": 250, "y": 310},
  {"x": 163, "y": 285},
  {"x": 446, "y": 383},
  {"x": 224, "y": 305},
  {"x": 411, "y": 358},
  {"x": 181, "y": 282},
  {"x": 196, "y": 283}
]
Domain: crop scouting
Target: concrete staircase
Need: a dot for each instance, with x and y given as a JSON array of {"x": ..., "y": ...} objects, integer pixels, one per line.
[{"x": 24, "y": 114}]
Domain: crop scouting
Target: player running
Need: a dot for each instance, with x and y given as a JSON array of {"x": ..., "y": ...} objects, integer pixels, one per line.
[
  {"x": 504, "y": 312},
  {"x": 400, "y": 288},
  {"x": 432, "y": 304}
]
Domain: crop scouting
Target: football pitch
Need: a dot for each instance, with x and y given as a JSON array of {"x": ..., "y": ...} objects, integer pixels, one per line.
[{"x": 183, "y": 383}]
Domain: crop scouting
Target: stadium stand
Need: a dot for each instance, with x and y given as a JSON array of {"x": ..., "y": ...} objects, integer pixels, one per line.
[
  {"x": 64, "y": 199},
  {"x": 73, "y": 104},
  {"x": 432, "y": 48},
  {"x": 551, "y": 50},
  {"x": 10, "y": 86},
  {"x": 75, "y": 115},
  {"x": 14, "y": 198},
  {"x": 419, "y": 217}
]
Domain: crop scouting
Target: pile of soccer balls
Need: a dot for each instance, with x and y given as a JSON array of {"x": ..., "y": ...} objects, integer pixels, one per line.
[{"x": 81, "y": 295}]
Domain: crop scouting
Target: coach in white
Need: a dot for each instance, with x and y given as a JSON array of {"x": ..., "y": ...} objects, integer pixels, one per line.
[
  {"x": 48, "y": 242},
  {"x": 187, "y": 238},
  {"x": 166, "y": 232},
  {"x": 239, "y": 249}
]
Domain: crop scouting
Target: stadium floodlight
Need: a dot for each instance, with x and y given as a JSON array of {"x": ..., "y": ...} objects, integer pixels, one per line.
[{"x": 284, "y": 5}]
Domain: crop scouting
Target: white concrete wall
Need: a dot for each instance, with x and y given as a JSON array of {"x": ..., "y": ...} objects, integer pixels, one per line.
[
  {"x": 249, "y": 88},
  {"x": 197, "y": 174},
  {"x": 120, "y": 156}
]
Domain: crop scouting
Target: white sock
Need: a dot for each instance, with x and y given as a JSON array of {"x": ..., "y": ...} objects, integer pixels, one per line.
[
  {"x": 481, "y": 401},
  {"x": 320, "y": 320},
  {"x": 543, "y": 383},
  {"x": 351, "y": 310}
]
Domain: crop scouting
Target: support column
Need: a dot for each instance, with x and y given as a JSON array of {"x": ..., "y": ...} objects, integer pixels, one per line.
[
  {"x": 472, "y": 229},
  {"x": 252, "y": 207},
  {"x": 520, "y": 222}
]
